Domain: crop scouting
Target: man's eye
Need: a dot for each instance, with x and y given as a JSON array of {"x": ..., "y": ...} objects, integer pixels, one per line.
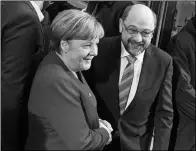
[
  {"x": 132, "y": 30},
  {"x": 146, "y": 33}
]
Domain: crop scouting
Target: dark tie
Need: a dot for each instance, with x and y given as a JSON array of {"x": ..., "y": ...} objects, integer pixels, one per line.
[{"x": 125, "y": 83}]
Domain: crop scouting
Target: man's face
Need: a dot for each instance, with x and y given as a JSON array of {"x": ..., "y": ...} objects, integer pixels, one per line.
[{"x": 136, "y": 33}]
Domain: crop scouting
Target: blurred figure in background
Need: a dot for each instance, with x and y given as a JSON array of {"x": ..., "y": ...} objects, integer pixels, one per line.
[
  {"x": 56, "y": 7},
  {"x": 22, "y": 49},
  {"x": 182, "y": 49},
  {"x": 108, "y": 14},
  {"x": 62, "y": 108}
]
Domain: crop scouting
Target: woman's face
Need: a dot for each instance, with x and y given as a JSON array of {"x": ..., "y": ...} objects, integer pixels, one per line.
[{"x": 80, "y": 54}]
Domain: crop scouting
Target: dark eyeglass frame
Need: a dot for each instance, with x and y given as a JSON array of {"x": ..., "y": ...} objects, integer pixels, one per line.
[{"x": 134, "y": 32}]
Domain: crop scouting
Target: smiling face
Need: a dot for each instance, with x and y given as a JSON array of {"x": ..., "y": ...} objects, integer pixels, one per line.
[
  {"x": 137, "y": 29},
  {"x": 79, "y": 54},
  {"x": 75, "y": 35}
]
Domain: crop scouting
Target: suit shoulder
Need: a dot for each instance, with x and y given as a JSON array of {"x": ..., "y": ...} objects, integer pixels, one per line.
[
  {"x": 182, "y": 37},
  {"x": 15, "y": 6},
  {"x": 106, "y": 43},
  {"x": 16, "y": 10},
  {"x": 50, "y": 73},
  {"x": 161, "y": 54},
  {"x": 183, "y": 40}
]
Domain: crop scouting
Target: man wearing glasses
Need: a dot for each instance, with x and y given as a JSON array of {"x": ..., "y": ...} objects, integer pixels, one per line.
[{"x": 131, "y": 79}]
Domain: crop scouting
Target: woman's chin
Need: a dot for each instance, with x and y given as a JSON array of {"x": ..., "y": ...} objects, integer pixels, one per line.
[{"x": 86, "y": 65}]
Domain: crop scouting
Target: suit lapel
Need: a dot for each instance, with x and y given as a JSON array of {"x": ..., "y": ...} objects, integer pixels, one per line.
[
  {"x": 90, "y": 93},
  {"x": 82, "y": 80},
  {"x": 146, "y": 71},
  {"x": 113, "y": 67},
  {"x": 145, "y": 76}
]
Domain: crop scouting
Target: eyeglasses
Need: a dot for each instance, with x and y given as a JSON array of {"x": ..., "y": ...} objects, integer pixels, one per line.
[{"x": 134, "y": 31}]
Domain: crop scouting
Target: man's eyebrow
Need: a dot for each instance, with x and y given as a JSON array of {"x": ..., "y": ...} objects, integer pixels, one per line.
[
  {"x": 145, "y": 30},
  {"x": 131, "y": 26}
]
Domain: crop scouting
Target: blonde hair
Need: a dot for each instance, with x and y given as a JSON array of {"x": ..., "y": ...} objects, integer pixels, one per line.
[{"x": 75, "y": 24}]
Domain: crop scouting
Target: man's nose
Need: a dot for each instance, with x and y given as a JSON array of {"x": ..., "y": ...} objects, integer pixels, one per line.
[{"x": 138, "y": 37}]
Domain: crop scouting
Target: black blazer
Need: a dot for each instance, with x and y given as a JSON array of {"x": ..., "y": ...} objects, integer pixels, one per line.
[
  {"x": 182, "y": 49},
  {"x": 62, "y": 110},
  {"x": 152, "y": 98},
  {"x": 22, "y": 49}
]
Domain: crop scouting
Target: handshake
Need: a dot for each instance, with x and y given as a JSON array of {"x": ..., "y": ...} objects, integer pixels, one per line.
[{"x": 108, "y": 127}]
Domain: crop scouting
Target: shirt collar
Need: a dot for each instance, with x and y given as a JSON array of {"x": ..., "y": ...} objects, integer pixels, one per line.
[
  {"x": 38, "y": 11},
  {"x": 124, "y": 53}
]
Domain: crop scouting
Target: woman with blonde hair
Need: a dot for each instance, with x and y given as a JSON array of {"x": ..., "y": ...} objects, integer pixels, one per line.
[{"x": 62, "y": 108}]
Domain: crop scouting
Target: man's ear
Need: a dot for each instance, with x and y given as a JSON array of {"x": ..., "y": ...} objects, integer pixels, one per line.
[
  {"x": 64, "y": 46},
  {"x": 120, "y": 25}
]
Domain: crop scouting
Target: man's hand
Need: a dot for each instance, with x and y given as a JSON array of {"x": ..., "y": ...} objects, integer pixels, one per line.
[{"x": 107, "y": 124}]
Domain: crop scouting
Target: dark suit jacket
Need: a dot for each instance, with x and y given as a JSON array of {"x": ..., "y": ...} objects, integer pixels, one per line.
[
  {"x": 152, "y": 98},
  {"x": 57, "y": 7},
  {"x": 182, "y": 49},
  {"x": 22, "y": 45},
  {"x": 108, "y": 14},
  {"x": 62, "y": 111}
]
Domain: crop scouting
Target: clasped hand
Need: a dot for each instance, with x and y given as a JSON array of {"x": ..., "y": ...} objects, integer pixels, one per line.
[{"x": 108, "y": 127}]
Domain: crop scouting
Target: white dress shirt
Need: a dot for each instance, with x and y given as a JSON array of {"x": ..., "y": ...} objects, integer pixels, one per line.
[
  {"x": 137, "y": 71},
  {"x": 38, "y": 11}
]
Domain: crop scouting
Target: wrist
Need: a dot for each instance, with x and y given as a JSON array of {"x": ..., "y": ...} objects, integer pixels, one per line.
[{"x": 110, "y": 135}]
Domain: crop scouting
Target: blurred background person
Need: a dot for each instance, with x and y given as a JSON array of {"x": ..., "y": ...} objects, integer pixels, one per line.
[
  {"x": 57, "y": 7},
  {"x": 108, "y": 14},
  {"x": 182, "y": 49},
  {"x": 62, "y": 108},
  {"x": 22, "y": 49}
]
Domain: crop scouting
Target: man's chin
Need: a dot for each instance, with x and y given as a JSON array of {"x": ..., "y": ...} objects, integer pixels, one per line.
[{"x": 135, "y": 52}]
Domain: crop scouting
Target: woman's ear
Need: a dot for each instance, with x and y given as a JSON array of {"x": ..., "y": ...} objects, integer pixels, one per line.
[{"x": 64, "y": 46}]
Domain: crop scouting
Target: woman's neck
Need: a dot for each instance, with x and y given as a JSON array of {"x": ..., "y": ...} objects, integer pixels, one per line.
[{"x": 65, "y": 61}]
